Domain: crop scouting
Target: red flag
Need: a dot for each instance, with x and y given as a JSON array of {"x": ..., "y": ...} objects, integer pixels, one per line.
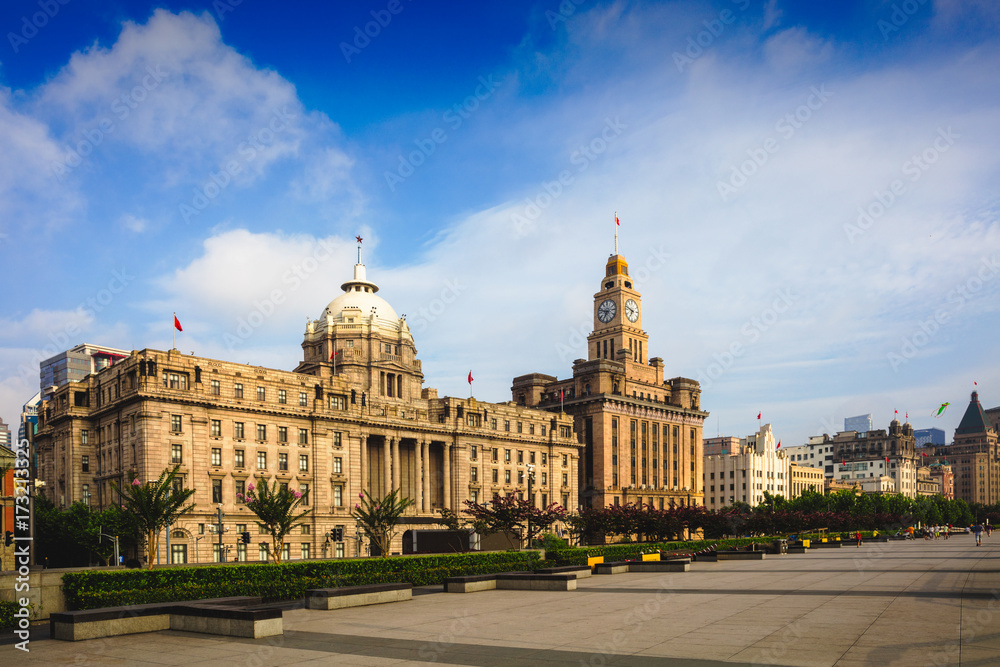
[
  {"x": 923, "y": 453},
  {"x": 617, "y": 221},
  {"x": 333, "y": 354},
  {"x": 470, "y": 377},
  {"x": 758, "y": 415},
  {"x": 779, "y": 445},
  {"x": 562, "y": 394},
  {"x": 843, "y": 462},
  {"x": 887, "y": 460},
  {"x": 177, "y": 324}
]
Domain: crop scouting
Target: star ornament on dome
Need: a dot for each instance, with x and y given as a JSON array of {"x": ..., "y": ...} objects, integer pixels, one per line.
[{"x": 359, "y": 239}]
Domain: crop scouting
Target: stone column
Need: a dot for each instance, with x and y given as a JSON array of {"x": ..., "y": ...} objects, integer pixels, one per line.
[
  {"x": 426, "y": 475},
  {"x": 364, "y": 463},
  {"x": 386, "y": 467},
  {"x": 418, "y": 475},
  {"x": 446, "y": 474},
  {"x": 396, "y": 478}
]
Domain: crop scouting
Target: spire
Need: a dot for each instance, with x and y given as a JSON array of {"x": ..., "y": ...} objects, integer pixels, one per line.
[{"x": 974, "y": 420}]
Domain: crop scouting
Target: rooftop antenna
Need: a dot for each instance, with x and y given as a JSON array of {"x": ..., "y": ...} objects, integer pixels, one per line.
[{"x": 358, "y": 237}]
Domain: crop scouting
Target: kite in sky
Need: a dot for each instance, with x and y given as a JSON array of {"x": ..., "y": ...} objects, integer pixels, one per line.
[{"x": 941, "y": 410}]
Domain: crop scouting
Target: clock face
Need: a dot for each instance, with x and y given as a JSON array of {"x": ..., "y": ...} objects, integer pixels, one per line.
[
  {"x": 606, "y": 310},
  {"x": 631, "y": 310}
]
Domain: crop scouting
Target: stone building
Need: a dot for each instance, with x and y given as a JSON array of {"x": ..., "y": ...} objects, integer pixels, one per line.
[
  {"x": 974, "y": 456},
  {"x": 642, "y": 433},
  {"x": 352, "y": 417},
  {"x": 745, "y": 474},
  {"x": 927, "y": 484},
  {"x": 804, "y": 478},
  {"x": 873, "y": 454}
]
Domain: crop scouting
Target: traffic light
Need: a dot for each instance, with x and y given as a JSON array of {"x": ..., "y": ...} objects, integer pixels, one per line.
[
  {"x": 336, "y": 534},
  {"x": 245, "y": 537},
  {"x": 8, "y": 538}
]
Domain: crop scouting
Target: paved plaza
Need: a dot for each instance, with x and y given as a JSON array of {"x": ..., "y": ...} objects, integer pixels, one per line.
[{"x": 901, "y": 603}]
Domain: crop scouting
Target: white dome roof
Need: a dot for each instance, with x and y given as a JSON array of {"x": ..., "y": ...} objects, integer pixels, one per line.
[{"x": 359, "y": 302}]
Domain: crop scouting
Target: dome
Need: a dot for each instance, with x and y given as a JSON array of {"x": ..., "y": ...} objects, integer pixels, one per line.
[{"x": 358, "y": 303}]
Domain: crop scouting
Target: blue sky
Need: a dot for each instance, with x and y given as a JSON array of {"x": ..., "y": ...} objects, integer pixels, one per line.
[{"x": 807, "y": 190}]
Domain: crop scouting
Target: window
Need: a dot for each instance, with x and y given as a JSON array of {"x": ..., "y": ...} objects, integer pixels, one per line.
[
  {"x": 495, "y": 455},
  {"x": 565, "y": 460},
  {"x": 241, "y": 552},
  {"x": 531, "y": 429},
  {"x": 545, "y": 458},
  {"x": 176, "y": 453},
  {"x": 506, "y": 455},
  {"x": 506, "y": 424},
  {"x": 519, "y": 427},
  {"x": 303, "y": 463},
  {"x": 238, "y": 390},
  {"x": 337, "y": 438},
  {"x": 178, "y": 554},
  {"x": 474, "y": 496},
  {"x": 338, "y": 466},
  {"x": 520, "y": 456},
  {"x": 282, "y": 461},
  {"x": 215, "y": 388},
  {"x": 545, "y": 479},
  {"x": 261, "y": 460},
  {"x": 84, "y": 437},
  {"x": 238, "y": 458},
  {"x": 506, "y": 476},
  {"x": 495, "y": 475},
  {"x": 493, "y": 423},
  {"x": 565, "y": 479},
  {"x": 216, "y": 428},
  {"x": 338, "y": 403},
  {"x": 305, "y": 529},
  {"x": 216, "y": 490},
  {"x": 305, "y": 550},
  {"x": 260, "y": 393},
  {"x": 303, "y": 436},
  {"x": 241, "y": 490},
  {"x": 303, "y": 398},
  {"x": 85, "y": 463},
  {"x": 262, "y": 432},
  {"x": 338, "y": 495},
  {"x": 474, "y": 474},
  {"x": 564, "y": 431},
  {"x": 473, "y": 452},
  {"x": 520, "y": 477},
  {"x": 282, "y": 396},
  {"x": 282, "y": 434},
  {"x": 238, "y": 431},
  {"x": 262, "y": 551},
  {"x": 174, "y": 380},
  {"x": 304, "y": 490},
  {"x": 86, "y": 494},
  {"x": 216, "y": 456},
  {"x": 175, "y": 423},
  {"x": 286, "y": 552}
]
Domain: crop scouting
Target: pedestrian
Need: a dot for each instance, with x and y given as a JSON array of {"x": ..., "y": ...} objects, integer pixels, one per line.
[
  {"x": 857, "y": 536},
  {"x": 989, "y": 529},
  {"x": 977, "y": 530}
]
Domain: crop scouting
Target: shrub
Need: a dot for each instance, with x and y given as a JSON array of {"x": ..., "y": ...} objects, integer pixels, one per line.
[{"x": 7, "y": 609}]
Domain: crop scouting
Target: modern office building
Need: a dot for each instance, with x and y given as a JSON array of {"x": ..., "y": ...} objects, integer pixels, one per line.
[
  {"x": 75, "y": 364},
  {"x": 929, "y": 436},
  {"x": 642, "y": 432},
  {"x": 861, "y": 423},
  {"x": 366, "y": 425},
  {"x": 5, "y": 435}
]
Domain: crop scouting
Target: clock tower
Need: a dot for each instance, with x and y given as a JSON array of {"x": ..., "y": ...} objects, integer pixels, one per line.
[{"x": 617, "y": 316}]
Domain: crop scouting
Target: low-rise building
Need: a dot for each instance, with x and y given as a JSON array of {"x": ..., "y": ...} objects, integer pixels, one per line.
[
  {"x": 876, "y": 453},
  {"x": 745, "y": 474},
  {"x": 805, "y": 478},
  {"x": 817, "y": 453},
  {"x": 945, "y": 479},
  {"x": 927, "y": 485}
]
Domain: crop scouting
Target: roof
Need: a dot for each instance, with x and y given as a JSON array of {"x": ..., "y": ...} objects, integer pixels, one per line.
[{"x": 974, "y": 420}]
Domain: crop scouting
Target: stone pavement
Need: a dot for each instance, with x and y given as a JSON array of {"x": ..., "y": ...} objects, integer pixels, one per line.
[{"x": 901, "y": 603}]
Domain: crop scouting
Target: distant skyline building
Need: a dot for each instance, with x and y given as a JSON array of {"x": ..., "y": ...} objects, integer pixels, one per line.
[
  {"x": 75, "y": 364},
  {"x": 861, "y": 423},
  {"x": 4, "y": 434},
  {"x": 817, "y": 453},
  {"x": 929, "y": 436}
]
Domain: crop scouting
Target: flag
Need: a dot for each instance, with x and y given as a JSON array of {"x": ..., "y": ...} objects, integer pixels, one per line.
[
  {"x": 177, "y": 324},
  {"x": 843, "y": 462},
  {"x": 779, "y": 445},
  {"x": 907, "y": 414},
  {"x": 758, "y": 415},
  {"x": 470, "y": 377},
  {"x": 923, "y": 453},
  {"x": 617, "y": 221},
  {"x": 562, "y": 394},
  {"x": 333, "y": 354}
]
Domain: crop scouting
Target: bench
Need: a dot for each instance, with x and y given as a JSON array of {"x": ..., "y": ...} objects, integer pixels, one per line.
[
  {"x": 740, "y": 555},
  {"x": 673, "y": 565},
  {"x": 219, "y": 616},
  {"x": 797, "y": 549},
  {"x": 826, "y": 545},
  {"x": 522, "y": 581},
  {"x": 580, "y": 571},
  {"x": 614, "y": 567},
  {"x": 357, "y": 596}
]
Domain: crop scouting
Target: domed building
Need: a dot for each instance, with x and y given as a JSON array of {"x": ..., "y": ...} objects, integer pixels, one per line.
[{"x": 353, "y": 417}]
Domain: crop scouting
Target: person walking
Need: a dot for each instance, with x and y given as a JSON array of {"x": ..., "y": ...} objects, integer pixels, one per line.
[
  {"x": 977, "y": 530},
  {"x": 857, "y": 536}
]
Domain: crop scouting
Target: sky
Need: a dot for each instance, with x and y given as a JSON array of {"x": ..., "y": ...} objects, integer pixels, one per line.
[{"x": 807, "y": 191}]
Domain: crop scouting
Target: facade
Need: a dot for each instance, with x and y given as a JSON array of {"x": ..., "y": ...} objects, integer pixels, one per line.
[
  {"x": 882, "y": 484},
  {"x": 929, "y": 436},
  {"x": 927, "y": 485},
  {"x": 744, "y": 475},
  {"x": 5, "y": 438},
  {"x": 945, "y": 479},
  {"x": 642, "y": 433},
  {"x": 878, "y": 453},
  {"x": 75, "y": 364},
  {"x": 365, "y": 426},
  {"x": 974, "y": 456},
  {"x": 7, "y": 461},
  {"x": 817, "y": 453},
  {"x": 861, "y": 423},
  {"x": 721, "y": 445},
  {"x": 804, "y": 478}
]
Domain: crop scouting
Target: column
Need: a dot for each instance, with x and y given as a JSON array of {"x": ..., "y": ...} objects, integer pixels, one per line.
[
  {"x": 386, "y": 466},
  {"x": 426, "y": 473},
  {"x": 447, "y": 476},
  {"x": 396, "y": 480},
  {"x": 364, "y": 463},
  {"x": 418, "y": 475}
]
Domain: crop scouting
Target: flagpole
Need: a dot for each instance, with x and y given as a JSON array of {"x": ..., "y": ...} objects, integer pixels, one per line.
[
  {"x": 616, "y": 232},
  {"x": 173, "y": 333}
]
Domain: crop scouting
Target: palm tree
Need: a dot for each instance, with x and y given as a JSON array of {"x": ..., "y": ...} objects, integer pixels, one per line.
[
  {"x": 275, "y": 508},
  {"x": 378, "y": 517},
  {"x": 154, "y": 506}
]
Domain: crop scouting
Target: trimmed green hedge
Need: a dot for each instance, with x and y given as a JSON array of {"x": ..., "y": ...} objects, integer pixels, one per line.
[
  {"x": 103, "y": 588},
  {"x": 616, "y": 552},
  {"x": 7, "y": 609}
]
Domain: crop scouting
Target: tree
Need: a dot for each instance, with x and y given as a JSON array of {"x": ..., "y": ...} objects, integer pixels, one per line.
[
  {"x": 154, "y": 506},
  {"x": 504, "y": 516},
  {"x": 275, "y": 507},
  {"x": 378, "y": 517}
]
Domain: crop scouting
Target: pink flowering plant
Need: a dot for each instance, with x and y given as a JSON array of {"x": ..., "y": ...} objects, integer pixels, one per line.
[
  {"x": 153, "y": 506},
  {"x": 275, "y": 508},
  {"x": 378, "y": 517}
]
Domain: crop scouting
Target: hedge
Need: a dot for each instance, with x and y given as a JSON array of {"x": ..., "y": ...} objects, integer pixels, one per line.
[
  {"x": 7, "y": 609},
  {"x": 93, "y": 589},
  {"x": 616, "y": 552}
]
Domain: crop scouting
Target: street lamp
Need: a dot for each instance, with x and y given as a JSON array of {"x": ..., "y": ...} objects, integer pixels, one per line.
[{"x": 531, "y": 498}]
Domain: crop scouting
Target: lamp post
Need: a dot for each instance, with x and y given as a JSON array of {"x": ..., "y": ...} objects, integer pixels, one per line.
[{"x": 531, "y": 498}]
